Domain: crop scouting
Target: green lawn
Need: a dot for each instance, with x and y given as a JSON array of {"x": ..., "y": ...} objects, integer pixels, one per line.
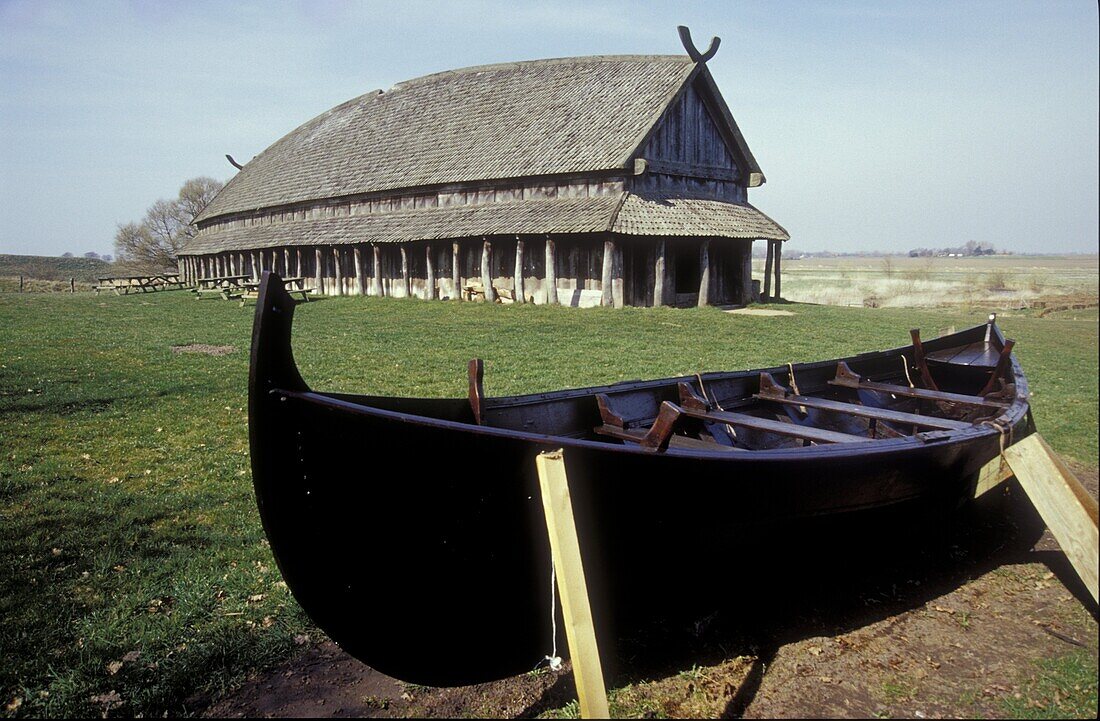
[{"x": 134, "y": 575}]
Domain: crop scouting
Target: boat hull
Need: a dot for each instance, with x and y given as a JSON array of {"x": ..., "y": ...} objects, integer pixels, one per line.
[{"x": 416, "y": 539}]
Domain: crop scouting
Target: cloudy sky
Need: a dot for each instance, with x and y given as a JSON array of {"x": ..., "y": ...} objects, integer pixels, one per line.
[{"x": 880, "y": 125}]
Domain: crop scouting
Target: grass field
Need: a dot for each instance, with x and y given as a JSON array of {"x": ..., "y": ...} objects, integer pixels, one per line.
[
  {"x": 1001, "y": 281},
  {"x": 134, "y": 575}
]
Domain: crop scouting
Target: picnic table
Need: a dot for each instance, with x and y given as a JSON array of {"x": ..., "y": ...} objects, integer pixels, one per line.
[
  {"x": 293, "y": 285},
  {"x": 125, "y": 284},
  {"x": 224, "y": 286}
]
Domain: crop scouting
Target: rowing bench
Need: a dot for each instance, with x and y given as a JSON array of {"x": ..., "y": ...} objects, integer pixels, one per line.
[
  {"x": 772, "y": 391},
  {"x": 661, "y": 434},
  {"x": 848, "y": 378}
]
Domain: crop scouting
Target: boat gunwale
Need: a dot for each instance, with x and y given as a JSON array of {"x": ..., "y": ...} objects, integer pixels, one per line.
[{"x": 1007, "y": 419}]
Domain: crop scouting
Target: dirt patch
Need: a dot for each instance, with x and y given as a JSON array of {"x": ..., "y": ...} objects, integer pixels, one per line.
[
  {"x": 204, "y": 349},
  {"x": 955, "y": 633},
  {"x": 759, "y": 311}
]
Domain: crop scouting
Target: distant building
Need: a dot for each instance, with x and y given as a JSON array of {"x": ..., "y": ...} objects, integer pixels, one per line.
[{"x": 616, "y": 180}]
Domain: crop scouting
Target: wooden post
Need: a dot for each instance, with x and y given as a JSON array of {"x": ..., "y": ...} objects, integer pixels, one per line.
[
  {"x": 298, "y": 262},
  {"x": 517, "y": 281},
  {"x": 257, "y": 265},
  {"x": 72, "y": 285},
  {"x": 746, "y": 273},
  {"x": 778, "y": 275},
  {"x": 319, "y": 280},
  {"x": 20, "y": 284},
  {"x": 551, "y": 273},
  {"x": 1069, "y": 511},
  {"x": 606, "y": 297},
  {"x": 486, "y": 274},
  {"x": 768, "y": 273},
  {"x": 430, "y": 271},
  {"x": 286, "y": 263},
  {"x": 405, "y": 270},
  {"x": 566, "y": 554},
  {"x": 376, "y": 279},
  {"x": 359, "y": 287},
  {"x": 659, "y": 275},
  {"x": 456, "y": 275},
  {"x": 338, "y": 270},
  {"x": 704, "y": 274}
]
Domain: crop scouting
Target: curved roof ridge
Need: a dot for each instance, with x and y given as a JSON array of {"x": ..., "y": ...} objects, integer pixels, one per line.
[
  {"x": 517, "y": 64},
  {"x": 512, "y": 120}
]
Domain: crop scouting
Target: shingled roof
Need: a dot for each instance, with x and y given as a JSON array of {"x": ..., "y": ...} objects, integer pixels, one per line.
[{"x": 543, "y": 117}]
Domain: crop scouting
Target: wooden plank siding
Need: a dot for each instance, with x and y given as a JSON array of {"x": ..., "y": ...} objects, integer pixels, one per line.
[{"x": 690, "y": 155}]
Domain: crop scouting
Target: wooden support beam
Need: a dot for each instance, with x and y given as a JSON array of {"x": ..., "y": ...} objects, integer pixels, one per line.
[
  {"x": 360, "y": 281},
  {"x": 286, "y": 263},
  {"x": 1069, "y": 511},
  {"x": 991, "y": 475},
  {"x": 580, "y": 630},
  {"x": 339, "y": 271},
  {"x": 778, "y": 271},
  {"x": 606, "y": 291},
  {"x": 376, "y": 279},
  {"x": 429, "y": 264},
  {"x": 405, "y": 270},
  {"x": 704, "y": 274},
  {"x": 486, "y": 271},
  {"x": 922, "y": 364},
  {"x": 456, "y": 272},
  {"x": 298, "y": 262},
  {"x": 319, "y": 276},
  {"x": 1001, "y": 367},
  {"x": 746, "y": 272},
  {"x": 768, "y": 273},
  {"x": 659, "y": 275},
  {"x": 475, "y": 376},
  {"x": 550, "y": 273},
  {"x": 517, "y": 279}
]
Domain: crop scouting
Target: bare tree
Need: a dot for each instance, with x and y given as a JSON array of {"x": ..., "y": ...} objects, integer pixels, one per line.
[{"x": 155, "y": 242}]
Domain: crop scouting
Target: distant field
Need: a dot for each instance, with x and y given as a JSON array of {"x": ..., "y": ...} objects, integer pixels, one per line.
[
  {"x": 44, "y": 273},
  {"x": 988, "y": 281}
]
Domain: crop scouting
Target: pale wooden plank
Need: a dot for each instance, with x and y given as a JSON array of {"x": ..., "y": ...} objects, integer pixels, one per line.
[
  {"x": 1069, "y": 511},
  {"x": 566, "y": 553},
  {"x": 991, "y": 476}
]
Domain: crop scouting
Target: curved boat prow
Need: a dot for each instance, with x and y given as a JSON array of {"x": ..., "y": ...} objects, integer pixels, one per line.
[{"x": 272, "y": 361}]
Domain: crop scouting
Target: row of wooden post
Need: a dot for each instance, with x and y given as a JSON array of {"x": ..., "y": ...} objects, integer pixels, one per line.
[
  {"x": 231, "y": 263},
  {"x": 775, "y": 255},
  {"x": 72, "y": 284}
]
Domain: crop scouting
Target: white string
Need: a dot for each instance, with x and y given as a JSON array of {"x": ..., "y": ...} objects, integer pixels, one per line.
[{"x": 553, "y": 658}]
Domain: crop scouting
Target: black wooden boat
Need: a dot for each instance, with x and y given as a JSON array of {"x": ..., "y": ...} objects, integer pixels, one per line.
[{"x": 411, "y": 530}]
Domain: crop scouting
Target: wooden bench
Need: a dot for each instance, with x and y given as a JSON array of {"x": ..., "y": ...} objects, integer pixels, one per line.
[
  {"x": 847, "y": 378},
  {"x": 251, "y": 292},
  {"x": 660, "y": 433},
  {"x": 771, "y": 391}
]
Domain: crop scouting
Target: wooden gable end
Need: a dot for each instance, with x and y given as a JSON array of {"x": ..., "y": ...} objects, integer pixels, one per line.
[
  {"x": 687, "y": 139},
  {"x": 688, "y": 152}
]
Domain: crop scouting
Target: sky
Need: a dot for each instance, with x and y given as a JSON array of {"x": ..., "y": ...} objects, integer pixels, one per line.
[{"x": 880, "y": 126}]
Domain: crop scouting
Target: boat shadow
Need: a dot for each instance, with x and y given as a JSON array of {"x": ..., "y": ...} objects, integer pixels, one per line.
[{"x": 800, "y": 593}]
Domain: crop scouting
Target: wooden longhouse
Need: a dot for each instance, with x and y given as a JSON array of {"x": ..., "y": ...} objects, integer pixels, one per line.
[{"x": 617, "y": 180}]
